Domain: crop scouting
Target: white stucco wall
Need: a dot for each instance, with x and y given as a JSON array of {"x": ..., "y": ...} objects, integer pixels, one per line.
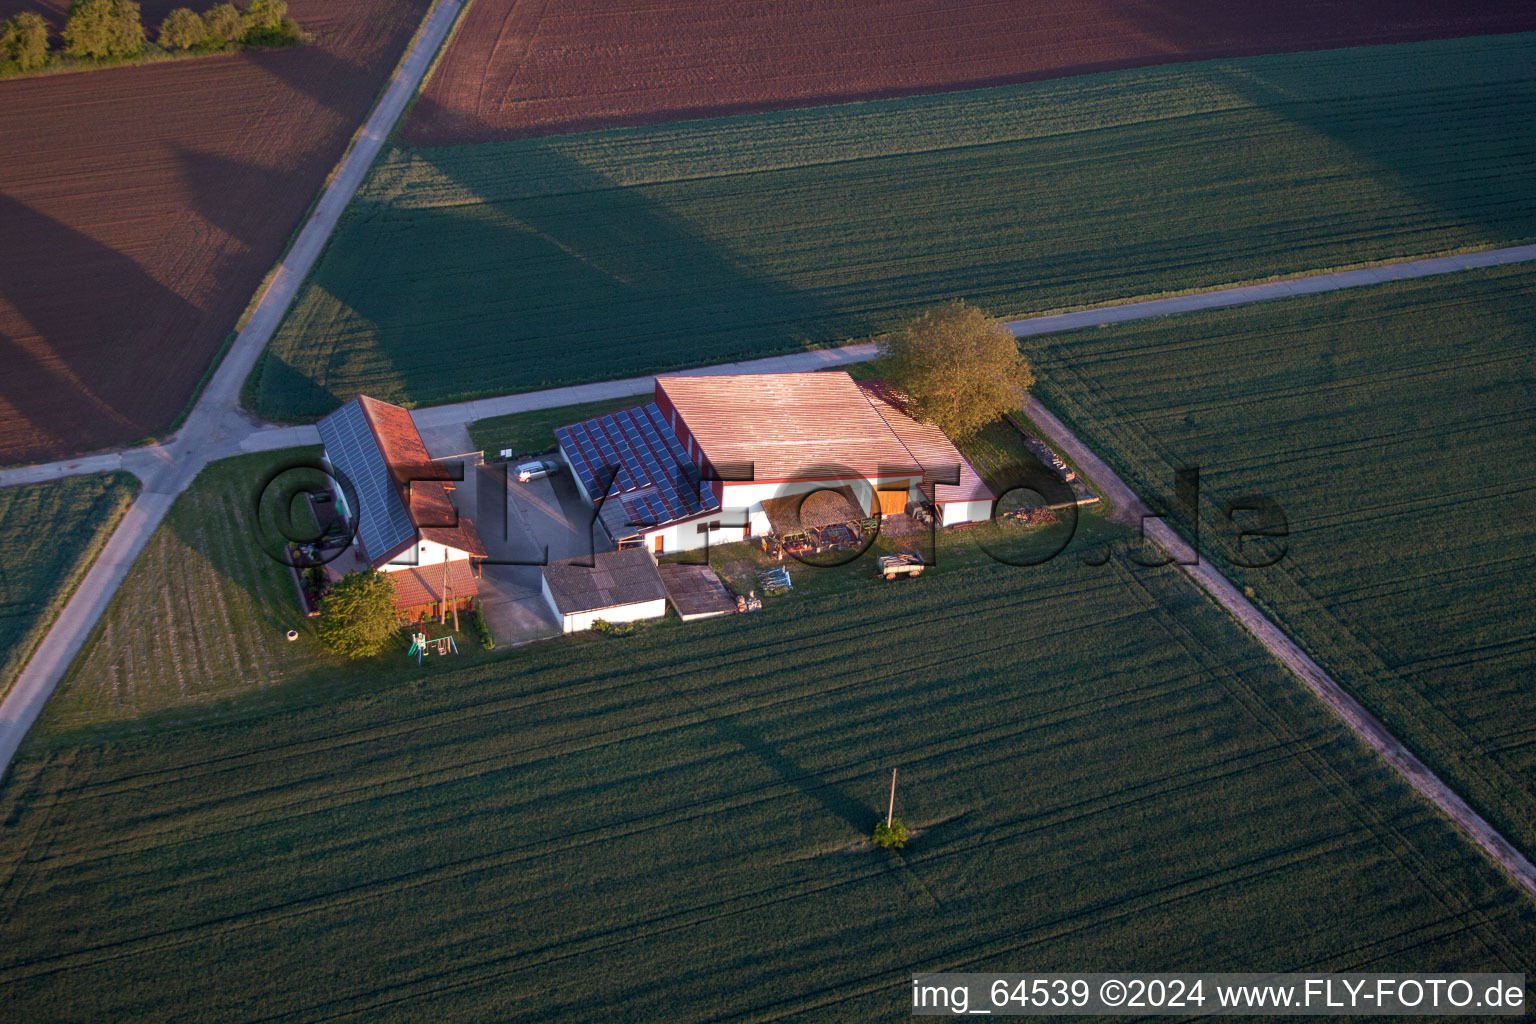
[
  {"x": 425, "y": 555},
  {"x": 751, "y": 495},
  {"x": 577, "y": 621},
  {"x": 686, "y": 536},
  {"x": 966, "y": 511},
  {"x": 549, "y": 598}
]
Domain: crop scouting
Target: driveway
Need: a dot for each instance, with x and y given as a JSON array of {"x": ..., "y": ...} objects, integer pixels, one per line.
[{"x": 525, "y": 526}]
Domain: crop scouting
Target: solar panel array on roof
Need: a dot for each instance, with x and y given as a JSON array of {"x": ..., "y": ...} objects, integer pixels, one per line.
[
  {"x": 653, "y": 476},
  {"x": 382, "y": 522}
]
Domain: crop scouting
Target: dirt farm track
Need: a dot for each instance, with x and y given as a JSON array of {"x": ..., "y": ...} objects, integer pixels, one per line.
[
  {"x": 536, "y": 67},
  {"x": 140, "y": 208}
]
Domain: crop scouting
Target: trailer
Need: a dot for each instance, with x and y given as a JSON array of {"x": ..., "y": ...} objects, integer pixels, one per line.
[{"x": 904, "y": 564}]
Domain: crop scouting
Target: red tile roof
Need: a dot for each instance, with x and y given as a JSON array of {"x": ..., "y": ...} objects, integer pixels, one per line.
[
  {"x": 786, "y": 425},
  {"x": 928, "y": 444},
  {"x": 422, "y": 483},
  {"x": 791, "y": 425},
  {"x": 421, "y": 585}
]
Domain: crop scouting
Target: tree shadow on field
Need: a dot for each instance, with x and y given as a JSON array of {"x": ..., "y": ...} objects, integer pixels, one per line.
[
  {"x": 70, "y": 308},
  {"x": 549, "y": 273},
  {"x": 336, "y": 84},
  {"x": 235, "y": 195},
  {"x": 833, "y": 798},
  {"x": 1468, "y": 153}
]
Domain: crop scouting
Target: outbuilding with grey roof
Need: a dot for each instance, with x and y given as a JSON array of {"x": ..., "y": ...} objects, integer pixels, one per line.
[{"x": 616, "y": 586}]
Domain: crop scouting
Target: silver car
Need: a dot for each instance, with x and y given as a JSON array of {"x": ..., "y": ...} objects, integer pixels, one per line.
[{"x": 536, "y": 470}]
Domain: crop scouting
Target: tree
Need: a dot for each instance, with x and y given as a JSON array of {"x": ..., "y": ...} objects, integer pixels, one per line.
[
  {"x": 24, "y": 39},
  {"x": 960, "y": 368},
  {"x": 103, "y": 28},
  {"x": 265, "y": 14},
  {"x": 890, "y": 836},
  {"x": 182, "y": 29},
  {"x": 223, "y": 24},
  {"x": 357, "y": 617}
]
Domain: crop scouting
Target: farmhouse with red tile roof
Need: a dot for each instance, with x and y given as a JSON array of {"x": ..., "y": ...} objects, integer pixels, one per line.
[
  {"x": 708, "y": 451},
  {"x": 406, "y": 524}
]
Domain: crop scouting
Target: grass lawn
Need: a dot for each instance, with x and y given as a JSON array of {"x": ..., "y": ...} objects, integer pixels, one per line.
[
  {"x": 476, "y": 270},
  {"x": 202, "y": 615},
  {"x": 533, "y": 433},
  {"x": 1396, "y": 426},
  {"x": 49, "y": 535},
  {"x": 1103, "y": 771}
]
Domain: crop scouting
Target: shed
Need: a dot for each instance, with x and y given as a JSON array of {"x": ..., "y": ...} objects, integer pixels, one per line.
[
  {"x": 620, "y": 586},
  {"x": 695, "y": 591},
  {"x": 799, "y": 513}
]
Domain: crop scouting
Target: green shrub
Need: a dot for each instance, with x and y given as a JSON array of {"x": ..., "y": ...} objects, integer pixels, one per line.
[
  {"x": 892, "y": 836},
  {"x": 24, "y": 41},
  {"x": 357, "y": 616},
  {"x": 486, "y": 639},
  {"x": 182, "y": 29},
  {"x": 607, "y": 628},
  {"x": 103, "y": 28},
  {"x": 222, "y": 24}
]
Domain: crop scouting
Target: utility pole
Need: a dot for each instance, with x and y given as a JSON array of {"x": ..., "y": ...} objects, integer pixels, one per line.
[{"x": 890, "y": 811}]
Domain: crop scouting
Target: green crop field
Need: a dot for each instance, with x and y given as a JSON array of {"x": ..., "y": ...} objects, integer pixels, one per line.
[
  {"x": 202, "y": 614},
  {"x": 49, "y": 536},
  {"x": 1103, "y": 771},
  {"x": 486, "y": 269},
  {"x": 1396, "y": 427}
]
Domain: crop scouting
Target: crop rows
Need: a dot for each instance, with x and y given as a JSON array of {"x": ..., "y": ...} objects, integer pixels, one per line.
[
  {"x": 201, "y": 615},
  {"x": 1102, "y": 767},
  {"x": 49, "y": 535},
  {"x": 1395, "y": 428},
  {"x": 503, "y": 267},
  {"x": 142, "y": 206},
  {"x": 508, "y": 71}
]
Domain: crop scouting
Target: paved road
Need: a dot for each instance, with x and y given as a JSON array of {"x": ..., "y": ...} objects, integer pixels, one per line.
[
  {"x": 458, "y": 413},
  {"x": 1130, "y": 508},
  {"x": 1244, "y": 294},
  {"x": 216, "y": 428},
  {"x": 244, "y": 434}
]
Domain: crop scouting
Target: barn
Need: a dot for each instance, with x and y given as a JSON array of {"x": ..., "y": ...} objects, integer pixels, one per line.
[
  {"x": 710, "y": 456},
  {"x": 615, "y": 586},
  {"x": 405, "y": 522}
]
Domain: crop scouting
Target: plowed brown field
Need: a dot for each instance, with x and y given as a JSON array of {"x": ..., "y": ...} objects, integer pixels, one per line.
[
  {"x": 140, "y": 207},
  {"x": 536, "y": 67}
]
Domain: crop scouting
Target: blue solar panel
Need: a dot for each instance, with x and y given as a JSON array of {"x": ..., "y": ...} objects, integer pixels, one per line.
[
  {"x": 648, "y": 457},
  {"x": 382, "y": 521}
]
